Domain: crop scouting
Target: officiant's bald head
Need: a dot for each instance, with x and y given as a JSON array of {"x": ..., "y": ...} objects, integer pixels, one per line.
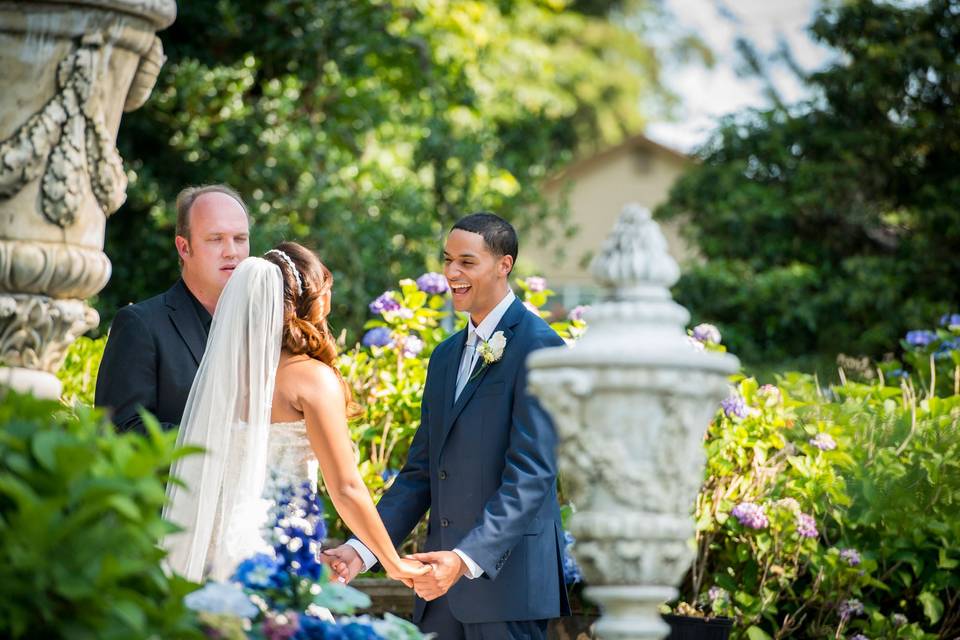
[{"x": 212, "y": 237}]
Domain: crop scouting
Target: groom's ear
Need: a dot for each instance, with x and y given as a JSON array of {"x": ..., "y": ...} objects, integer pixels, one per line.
[{"x": 505, "y": 266}]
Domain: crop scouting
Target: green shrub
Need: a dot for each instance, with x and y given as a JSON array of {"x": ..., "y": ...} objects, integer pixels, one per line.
[
  {"x": 79, "y": 521},
  {"x": 828, "y": 512},
  {"x": 78, "y": 373}
]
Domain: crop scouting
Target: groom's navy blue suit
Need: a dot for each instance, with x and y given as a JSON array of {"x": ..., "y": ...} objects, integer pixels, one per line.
[{"x": 485, "y": 466}]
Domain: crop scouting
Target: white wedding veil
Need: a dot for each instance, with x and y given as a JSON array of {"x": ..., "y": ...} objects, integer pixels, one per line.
[{"x": 228, "y": 415}]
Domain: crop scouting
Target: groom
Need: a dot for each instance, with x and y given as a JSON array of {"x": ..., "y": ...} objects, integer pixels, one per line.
[{"x": 483, "y": 461}]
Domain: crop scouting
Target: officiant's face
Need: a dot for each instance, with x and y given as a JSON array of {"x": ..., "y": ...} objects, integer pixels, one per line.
[
  {"x": 219, "y": 239},
  {"x": 476, "y": 276}
]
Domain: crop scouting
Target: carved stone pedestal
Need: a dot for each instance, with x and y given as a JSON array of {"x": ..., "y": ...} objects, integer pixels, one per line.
[
  {"x": 67, "y": 72},
  {"x": 631, "y": 402}
]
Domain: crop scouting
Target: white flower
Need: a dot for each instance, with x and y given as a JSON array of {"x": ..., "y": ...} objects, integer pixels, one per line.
[{"x": 492, "y": 350}]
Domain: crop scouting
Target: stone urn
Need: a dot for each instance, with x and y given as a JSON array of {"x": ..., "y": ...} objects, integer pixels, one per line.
[
  {"x": 68, "y": 70},
  {"x": 631, "y": 402}
]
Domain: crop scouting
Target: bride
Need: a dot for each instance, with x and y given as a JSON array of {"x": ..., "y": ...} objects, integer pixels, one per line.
[{"x": 267, "y": 395}]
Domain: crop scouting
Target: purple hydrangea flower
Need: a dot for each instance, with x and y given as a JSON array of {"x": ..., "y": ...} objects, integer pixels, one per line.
[
  {"x": 806, "y": 526},
  {"x": 536, "y": 284},
  {"x": 751, "y": 515},
  {"x": 696, "y": 344},
  {"x": 716, "y": 593},
  {"x": 385, "y": 302},
  {"x": 943, "y": 351},
  {"x": 859, "y": 636},
  {"x": 706, "y": 333},
  {"x": 823, "y": 441},
  {"x": 899, "y": 619},
  {"x": 850, "y": 608},
  {"x": 281, "y": 626},
  {"x": 412, "y": 346},
  {"x": 577, "y": 312},
  {"x": 850, "y": 556},
  {"x": 920, "y": 338},
  {"x": 734, "y": 406},
  {"x": 950, "y": 319},
  {"x": 377, "y": 337},
  {"x": 433, "y": 283}
]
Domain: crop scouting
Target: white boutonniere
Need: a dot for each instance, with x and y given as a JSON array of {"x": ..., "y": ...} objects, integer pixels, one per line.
[{"x": 491, "y": 351}]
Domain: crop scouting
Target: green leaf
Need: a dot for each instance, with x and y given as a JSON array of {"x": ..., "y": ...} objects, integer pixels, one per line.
[
  {"x": 932, "y": 606},
  {"x": 340, "y": 598},
  {"x": 756, "y": 633}
]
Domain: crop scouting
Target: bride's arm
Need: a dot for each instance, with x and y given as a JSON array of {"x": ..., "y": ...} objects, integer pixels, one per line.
[{"x": 321, "y": 400}]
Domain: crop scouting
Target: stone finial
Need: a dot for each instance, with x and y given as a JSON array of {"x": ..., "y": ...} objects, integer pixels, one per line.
[{"x": 634, "y": 256}]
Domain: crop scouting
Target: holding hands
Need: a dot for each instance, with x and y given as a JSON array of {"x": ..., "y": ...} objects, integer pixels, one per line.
[
  {"x": 346, "y": 563},
  {"x": 430, "y": 574}
]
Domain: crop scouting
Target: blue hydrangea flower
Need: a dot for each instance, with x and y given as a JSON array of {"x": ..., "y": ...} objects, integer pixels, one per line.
[
  {"x": 221, "y": 599},
  {"x": 735, "y": 406},
  {"x": 950, "y": 319},
  {"x": 920, "y": 338},
  {"x": 259, "y": 572},
  {"x": 385, "y": 302},
  {"x": 859, "y": 636},
  {"x": 571, "y": 570},
  {"x": 296, "y": 531},
  {"x": 388, "y": 475},
  {"x": 943, "y": 351},
  {"x": 377, "y": 337},
  {"x": 751, "y": 515},
  {"x": 432, "y": 283}
]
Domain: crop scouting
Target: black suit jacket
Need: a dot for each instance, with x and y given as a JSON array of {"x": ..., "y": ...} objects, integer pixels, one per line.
[{"x": 151, "y": 359}]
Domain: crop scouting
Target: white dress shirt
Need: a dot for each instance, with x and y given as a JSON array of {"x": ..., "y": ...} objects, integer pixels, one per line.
[{"x": 468, "y": 361}]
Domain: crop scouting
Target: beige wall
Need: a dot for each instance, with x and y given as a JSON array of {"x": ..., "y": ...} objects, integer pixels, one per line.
[{"x": 637, "y": 171}]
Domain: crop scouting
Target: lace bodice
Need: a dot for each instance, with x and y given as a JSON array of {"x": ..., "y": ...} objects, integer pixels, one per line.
[
  {"x": 239, "y": 535},
  {"x": 289, "y": 456}
]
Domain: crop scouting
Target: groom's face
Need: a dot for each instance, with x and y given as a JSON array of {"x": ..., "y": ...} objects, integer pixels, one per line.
[{"x": 476, "y": 276}]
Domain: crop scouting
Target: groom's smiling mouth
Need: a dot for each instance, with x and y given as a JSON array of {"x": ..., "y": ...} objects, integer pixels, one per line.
[
  {"x": 228, "y": 267},
  {"x": 459, "y": 288}
]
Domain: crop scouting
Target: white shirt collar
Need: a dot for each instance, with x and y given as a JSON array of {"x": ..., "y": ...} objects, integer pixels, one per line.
[{"x": 489, "y": 323}]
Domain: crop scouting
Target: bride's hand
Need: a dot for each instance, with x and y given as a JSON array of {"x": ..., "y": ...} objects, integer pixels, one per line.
[{"x": 407, "y": 570}]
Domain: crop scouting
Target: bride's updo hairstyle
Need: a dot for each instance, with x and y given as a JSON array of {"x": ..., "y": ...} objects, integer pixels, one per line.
[{"x": 305, "y": 330}]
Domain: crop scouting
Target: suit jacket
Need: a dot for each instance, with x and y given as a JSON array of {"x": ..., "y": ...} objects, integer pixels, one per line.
[
  {"x": 485, "y": 466},
  {"x": 151, "y": 359}
]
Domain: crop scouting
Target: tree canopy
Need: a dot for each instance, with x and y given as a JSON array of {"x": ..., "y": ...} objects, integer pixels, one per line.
[
  {"x": 833, "y": 225},
  {"x": 363, "y": 128}
]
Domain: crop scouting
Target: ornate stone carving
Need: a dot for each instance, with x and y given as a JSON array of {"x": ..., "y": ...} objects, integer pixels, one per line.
[
  {"x": 631, "y": 402},
  {"x": 67, "y": 72},
  {"x": 35, "y": 331},
  {"x": 68, "y": 143}
]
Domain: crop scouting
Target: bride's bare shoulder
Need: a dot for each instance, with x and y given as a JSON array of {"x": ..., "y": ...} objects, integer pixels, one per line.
[{"x": 312, "y": 379}]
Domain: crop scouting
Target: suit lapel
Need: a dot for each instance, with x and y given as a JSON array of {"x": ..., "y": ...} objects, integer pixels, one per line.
[
  {"x": 510, "y": 319},
  {"x": 185, "y": 320}
]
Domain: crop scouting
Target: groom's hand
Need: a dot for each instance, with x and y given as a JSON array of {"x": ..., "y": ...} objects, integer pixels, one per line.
[
  {"x": 344, "y": 561},
  {"x": 447, "y": 569}
]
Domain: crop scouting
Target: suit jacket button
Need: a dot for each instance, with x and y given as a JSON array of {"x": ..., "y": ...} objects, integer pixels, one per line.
[
  {"x": 444, "y": 522},
  {"x": 443, "y": 475}
]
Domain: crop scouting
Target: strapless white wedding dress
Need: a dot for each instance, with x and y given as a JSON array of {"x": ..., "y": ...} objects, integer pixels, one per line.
[{"x": 290, "y": 461}]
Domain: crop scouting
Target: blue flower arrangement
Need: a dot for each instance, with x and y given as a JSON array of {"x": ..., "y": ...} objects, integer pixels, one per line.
[{"x": 286, "y": 594}]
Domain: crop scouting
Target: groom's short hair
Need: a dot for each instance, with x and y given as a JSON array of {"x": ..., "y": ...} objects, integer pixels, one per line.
[
  {"x": 188, "y": 196},
  {"x": 498, "y": 234}
]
